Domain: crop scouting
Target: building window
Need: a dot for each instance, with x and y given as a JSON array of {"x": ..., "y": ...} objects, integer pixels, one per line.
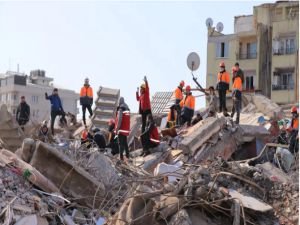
[
  {"x": 284, "y": 46},
  {"x": 283, "y": 81},
  {"x": 222, "y": 50},
  {"x": 15, "y": 97},
  {"x": 249, "y": 52},
  {"x": 35, "y": 99},
  {"x": 249, "y": 83}
]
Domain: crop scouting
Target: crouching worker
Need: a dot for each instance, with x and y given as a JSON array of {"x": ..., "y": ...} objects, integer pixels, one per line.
[
  {"x": 293, "y": 130},
  {"x": 122, "y": 128},
  {"x": 99, "y": 138},
  {"x": 150, "y": 138},
  {"x": 86, "y": 138},
  {"x": 188, "y": 106},
  {"x": 172, "y": 117},
  {"x": 112, "y": 140},
  {"x": 44, "y": 134}
]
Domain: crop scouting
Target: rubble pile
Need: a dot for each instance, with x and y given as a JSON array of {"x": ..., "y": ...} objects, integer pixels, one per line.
[{"x": 211, "y": 173}]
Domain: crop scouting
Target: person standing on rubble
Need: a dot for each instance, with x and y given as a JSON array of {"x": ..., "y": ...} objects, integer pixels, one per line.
[
  {"x": 239, "y": 71},
  {"x": 122, "y": 127},
  {"x": 86, "y": 99},
  {"x": 213, "y": 102},
  {"x": 150, "y": 137},
  {"x": 293, "y": 129},
  {"x": 144, "y": 102},
  {"x": 237, "y": 88},
  {"x": 23, "y": 113},
  {"x": 188, "y": 106},
  {"x": 178, "y": 95},
  {"x": 56, "y": 108},
  {"x": 223, "y": 87}
]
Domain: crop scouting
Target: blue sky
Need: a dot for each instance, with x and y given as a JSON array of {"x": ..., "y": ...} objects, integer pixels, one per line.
[{"x": 113, "y": 43}]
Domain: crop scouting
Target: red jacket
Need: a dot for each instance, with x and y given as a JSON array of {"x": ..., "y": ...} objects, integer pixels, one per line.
[
  {"x": 154, "y": 136},
  {"x": 144, "y": 100},
  {"x": 125, "y": 124}
]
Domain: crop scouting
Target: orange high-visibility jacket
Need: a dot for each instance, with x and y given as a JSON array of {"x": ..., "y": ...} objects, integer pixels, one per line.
[
  {"x": 86, "y": 95},
  {"x": 224, "y": 77},
  {"x": 295, "y": 123},
  {"x": 188, "y": 102},
  {"x": 178, "y": 95},
  {"x": 237, "y": 84}
]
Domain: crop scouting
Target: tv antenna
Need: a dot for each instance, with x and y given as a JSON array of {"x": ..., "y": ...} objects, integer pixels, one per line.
[
  {"x": 193, "y": 63},
  {"x": 220, "y": 27}
]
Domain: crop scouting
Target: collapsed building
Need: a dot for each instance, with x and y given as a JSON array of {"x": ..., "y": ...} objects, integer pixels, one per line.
[{"x": 211, "y": 173}]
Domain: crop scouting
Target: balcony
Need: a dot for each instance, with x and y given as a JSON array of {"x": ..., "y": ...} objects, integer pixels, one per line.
[
  {"x": 249, "y": 55},
  {"x": 278, "y": 87},
  {"x": 287, "y": 51}
]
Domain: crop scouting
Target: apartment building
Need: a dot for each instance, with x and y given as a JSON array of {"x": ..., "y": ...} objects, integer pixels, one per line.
[
  {"x": 13, "y": 85},
  {"x": 266, "y": 45}
]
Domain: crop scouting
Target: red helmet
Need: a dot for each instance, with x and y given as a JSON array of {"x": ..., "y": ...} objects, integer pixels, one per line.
[
  {"x": 222, "y": 64},
  {"x": 111, "y": 121},
  {"x": 188, "y": 88},
  {"x": 294, "y": 109},
  {"x": 181, "y": 83}
]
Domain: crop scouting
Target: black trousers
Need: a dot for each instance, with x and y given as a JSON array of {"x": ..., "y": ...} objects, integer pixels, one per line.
[
  {"x": 294, "y": 142},
  {"x": 54, "y": 114},
  {"x": 237, "y": 106},
  {"x": 185, "y": 119},
  {"x": 144, "y": 119},
  {"x": 21, "y": 123},
  {"x": 146, "y": 143},
  {"x": 123, "y": 146},
  {"x": 222, "y": 100},
  {"x": 89, "y": 108}
]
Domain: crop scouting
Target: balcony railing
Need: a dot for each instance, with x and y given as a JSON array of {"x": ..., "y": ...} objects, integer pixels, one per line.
[
  {"x": 277, "y": 87},
  {"x": 249, "y": 55},
  {"x": 282, "y": 51}
]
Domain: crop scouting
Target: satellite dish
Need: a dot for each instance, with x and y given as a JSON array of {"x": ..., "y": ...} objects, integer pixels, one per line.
[
  {"x": 209, "y": 22},
  {"x": 220, "y": 27},
  {"x": 193, "y": 61}
]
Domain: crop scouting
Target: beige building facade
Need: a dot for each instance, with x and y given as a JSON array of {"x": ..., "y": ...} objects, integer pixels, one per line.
[
  {"x": 13, "y": 85},
  {"x": 266, "y": 45}
]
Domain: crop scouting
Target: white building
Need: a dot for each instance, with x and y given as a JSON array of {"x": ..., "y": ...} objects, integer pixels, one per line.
[{"x": 13, "y": 85}]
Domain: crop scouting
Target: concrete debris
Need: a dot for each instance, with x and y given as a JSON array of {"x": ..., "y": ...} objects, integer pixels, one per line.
[{"x": 215, "y": 172}]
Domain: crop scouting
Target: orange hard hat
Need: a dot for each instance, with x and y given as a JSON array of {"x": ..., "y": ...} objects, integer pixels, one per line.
[
  {"x": 188, "y": 88},
  {"x": 222, "y": 64},
  {"x": 234, "y": 69},
  {"x": 111, "y": 121},
  {"x": 294, "y": 109},
  {"x": 181, "y": 83}
]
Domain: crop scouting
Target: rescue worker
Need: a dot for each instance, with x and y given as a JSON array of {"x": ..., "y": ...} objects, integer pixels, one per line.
[
  {"x": 293, "y": 129},
  {"x": 239, "y": 71},
  {"x": 56, "y": 108},
  {"x": 188, "y": 106},
  {"x": 44, "y": 134},
  {"x": 213, "y": 102},
  {"x": 172, "y": 117},
  {"x": 178, "y": 95},
  {"x": 122, "y": 128},
  {"x": 222, "y": 87},
  {"x": 86, "y": 138},
  {"x": 86, "y": 99},
  {"x": 151, "y": 137},
  {"x": 23, "y": 113},
  {"x": 144, "y": 102},
  {"x": 99, "y": 138},
  {"x": 237, "y": 87},
  {"x": 112, "y": 141}
]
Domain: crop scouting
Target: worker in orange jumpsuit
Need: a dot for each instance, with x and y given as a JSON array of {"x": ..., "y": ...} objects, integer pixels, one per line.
[
  {"x": 178, "y": 95},
  {"x": 293, "y": 129},
  {"x": 223, "y": 87},
  {"x": 237, "y": 88},
  {"x": 188, "y": 106},
  {"x": 86, "y": 99}
]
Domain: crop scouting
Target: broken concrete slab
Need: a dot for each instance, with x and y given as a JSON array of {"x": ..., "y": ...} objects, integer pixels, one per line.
[
  {"x": 200, "y": 133},
  {"x": 250, "y": 132},
  {"x": 32, "y": 220},
  {"x": 71, "y": 179},
  {"x": 173, "y": 172},
  {"x": 152, "y": 160},
  {"x": 250, "y": 202}
]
